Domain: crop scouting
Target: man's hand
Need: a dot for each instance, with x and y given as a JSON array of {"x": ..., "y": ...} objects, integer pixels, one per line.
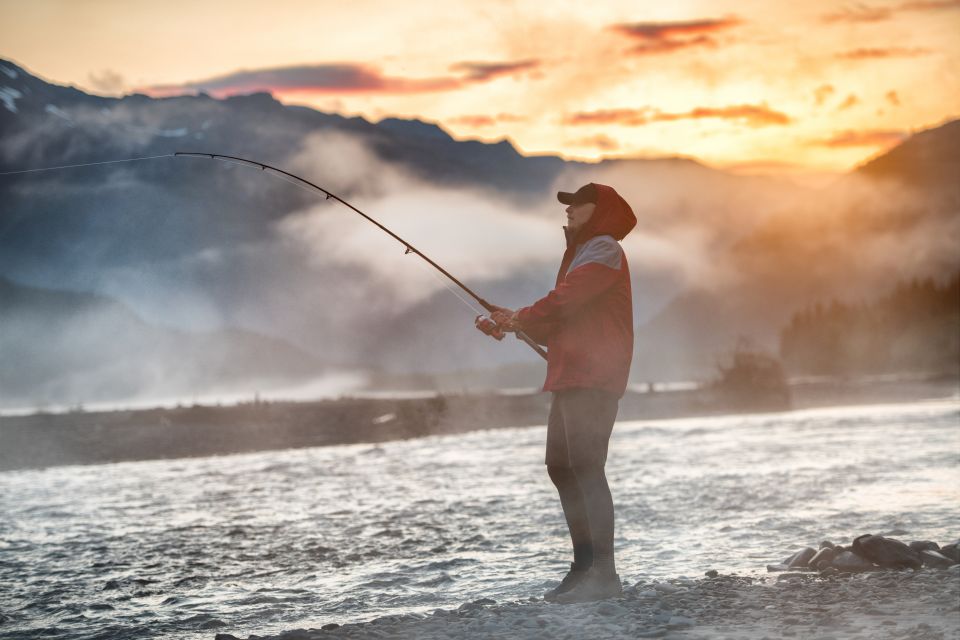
[
  {"x": 506, "y": 319},
  {"x": 489, "y": 327}
]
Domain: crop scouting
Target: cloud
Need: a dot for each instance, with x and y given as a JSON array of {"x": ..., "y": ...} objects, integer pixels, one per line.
[
  {"x": 930, "y": 5},
  {"x": 478, "y": 121},
  {"x": 893, "y": 98},
  {"x": 858, "y": 13},
  {"x": 861, "y": 12},
  {"x": 602, "y": 142},
  {"x": 851, "y": 101},
  {"x": 751, "y": 115},
  {"x": 339, "y": 78},
  {"x": 484, "y": 71},
  {"x": 318, "y": 78},
  {"x": 864, "y": 138},
  {"x": 665, "y": 37},
  {"x": 823, "y": 92},
  {"x": 869, "y": 53},
  {"x": 107, "y": 81}
]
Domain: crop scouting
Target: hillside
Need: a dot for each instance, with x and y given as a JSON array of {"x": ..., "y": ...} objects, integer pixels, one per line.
[{"x": 64, "y": 347}]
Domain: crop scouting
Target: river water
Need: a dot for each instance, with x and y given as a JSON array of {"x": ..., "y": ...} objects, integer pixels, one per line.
[{"x": 258, "y": 543}]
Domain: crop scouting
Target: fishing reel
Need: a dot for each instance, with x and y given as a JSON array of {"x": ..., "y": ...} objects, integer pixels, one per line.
[{"x": 489, "y": 327}]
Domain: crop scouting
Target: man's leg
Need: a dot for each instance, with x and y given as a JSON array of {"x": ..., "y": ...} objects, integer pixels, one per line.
[
  {"x": 575, "y": 512},
  {"x": 590, "y": 415},
  {"x": 595, "y": 492}
]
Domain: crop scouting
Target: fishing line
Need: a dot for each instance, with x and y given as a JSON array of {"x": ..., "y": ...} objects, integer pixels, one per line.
[
  {"x": 306, "y": 184},
  {"x": 85, "y": 164}
]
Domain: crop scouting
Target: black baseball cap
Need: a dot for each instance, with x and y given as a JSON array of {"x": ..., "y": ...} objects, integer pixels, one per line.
[{"x": 586, "y": 193}]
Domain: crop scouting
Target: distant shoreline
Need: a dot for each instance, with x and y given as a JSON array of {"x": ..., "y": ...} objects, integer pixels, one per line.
[{"x": 44, "y": 440}]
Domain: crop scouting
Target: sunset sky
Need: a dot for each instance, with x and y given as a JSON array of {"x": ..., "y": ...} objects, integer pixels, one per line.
[{"x": 755, "y": 86}]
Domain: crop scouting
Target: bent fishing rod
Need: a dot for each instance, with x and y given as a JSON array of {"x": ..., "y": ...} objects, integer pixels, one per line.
[
  {"x": 408, "y": 248},
  {"x": 303, "y": 182}
]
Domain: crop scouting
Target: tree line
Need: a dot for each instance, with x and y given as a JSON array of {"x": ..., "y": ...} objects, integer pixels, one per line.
[{"x": 914, "y": 328}]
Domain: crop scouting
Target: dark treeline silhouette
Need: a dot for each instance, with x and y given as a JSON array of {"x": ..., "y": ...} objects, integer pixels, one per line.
[{"x": 914, "y": 328}]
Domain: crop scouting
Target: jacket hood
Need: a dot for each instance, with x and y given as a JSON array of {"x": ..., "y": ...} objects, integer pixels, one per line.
[{"x": 612, "y": 217}]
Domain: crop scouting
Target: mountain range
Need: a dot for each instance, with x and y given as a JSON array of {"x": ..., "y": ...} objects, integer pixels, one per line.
[{"x": 209, "y": 277}]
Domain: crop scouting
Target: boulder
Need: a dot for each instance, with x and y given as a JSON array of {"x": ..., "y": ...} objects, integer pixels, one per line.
[
  {"x": 935, "y": 559},
  {"x": 801, "y": 559},
  {"x": 823, "y": 558},
  {"x": 851, "y": 562},
  {"x": 826, "y": 544},
  {"x": 923, "y": 545},
  {"x": 952, "y": 551},
  {"x": 886, "y": 552}
]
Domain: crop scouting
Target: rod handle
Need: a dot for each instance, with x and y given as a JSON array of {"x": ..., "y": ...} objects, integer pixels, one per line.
[{"x": 533, "y": 345}]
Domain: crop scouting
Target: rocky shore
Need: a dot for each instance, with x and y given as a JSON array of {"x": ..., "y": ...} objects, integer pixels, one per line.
[
  {"x": 95, "y": 437},
  {"x": 796, "y": 600}
]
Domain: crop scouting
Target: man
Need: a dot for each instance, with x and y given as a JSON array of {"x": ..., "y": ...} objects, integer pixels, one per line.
[{"x": 586, "y": 323}]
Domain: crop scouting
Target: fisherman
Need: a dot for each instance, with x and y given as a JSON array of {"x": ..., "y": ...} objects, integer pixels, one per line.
[{"x": 586, "y": 323}]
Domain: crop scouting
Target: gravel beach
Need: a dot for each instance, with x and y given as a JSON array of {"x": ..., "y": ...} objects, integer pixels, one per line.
[{"x": 914, "y": 605}]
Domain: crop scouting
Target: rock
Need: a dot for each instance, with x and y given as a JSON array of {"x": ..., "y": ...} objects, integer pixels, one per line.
[
  {"x": 935, "y": 559},
  {"x": 789, "y": 576},
  {"x": 712, "y": 573},
  {"x": 213, "y": 624},
  {"x": 666, "y": 587},
  {"x": 330, "y": 626},
  {"x": 607, "y": 608},
  {"x": 850, "y": 562},
  {"x": 886, "y": 552},
  {"x": 823, "y": 558},
  {"x": 225, "y": 636},
  {"x": 952, "y": 551},
  {"x": 829, "y": 571},
  {"x": 679, "y": 622},
  {"x": 923, "y": 545},
  {"x": 801, "y": 558},
  {"x": 826, "y": 544},
  {"x": 772, "y": 568}
]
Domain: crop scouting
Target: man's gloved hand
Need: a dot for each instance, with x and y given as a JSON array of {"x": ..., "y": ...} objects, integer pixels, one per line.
[{"x": 489, "y": 327}]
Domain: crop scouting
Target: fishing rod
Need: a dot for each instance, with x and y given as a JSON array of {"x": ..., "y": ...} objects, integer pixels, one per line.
[
  {"x": 486, "y": 325},
  {"x": 409, "y": 248}
]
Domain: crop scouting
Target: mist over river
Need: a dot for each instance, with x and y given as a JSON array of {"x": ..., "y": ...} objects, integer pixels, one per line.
[{"x": 258, "y": 543}]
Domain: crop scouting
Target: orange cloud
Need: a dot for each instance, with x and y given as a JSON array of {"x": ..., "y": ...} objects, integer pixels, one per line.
[
  {"x": 883, "y": 52},
  {"x": 473, "y": 121},
  {"x": 823, "y": 92},
  {"x": 867, "y": 13},
  {"x": 858, "y": 13},
  {"x": 483, "y": 71},
  {"x": 478, "y": 121},
  {"x": 752, "y": 115},
  {"x": 602, "y": 142},
  {"x": 852, "y": 100},
  {"x": 319, "y": 78},
  {"x": 893, "y": 98},
  {"x": 865, "y": 138},
  {"x": 664, "y": 37},
  {"x": 930, "y": 5},
  {"x": 339, "y": 78}
]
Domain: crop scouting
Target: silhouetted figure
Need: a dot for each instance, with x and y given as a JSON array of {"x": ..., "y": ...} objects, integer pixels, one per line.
[{"x": 586, "y": 323}]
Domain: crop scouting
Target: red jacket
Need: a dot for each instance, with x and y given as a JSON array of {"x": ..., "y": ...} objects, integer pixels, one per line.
[{"x": 586, "y": 322}]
